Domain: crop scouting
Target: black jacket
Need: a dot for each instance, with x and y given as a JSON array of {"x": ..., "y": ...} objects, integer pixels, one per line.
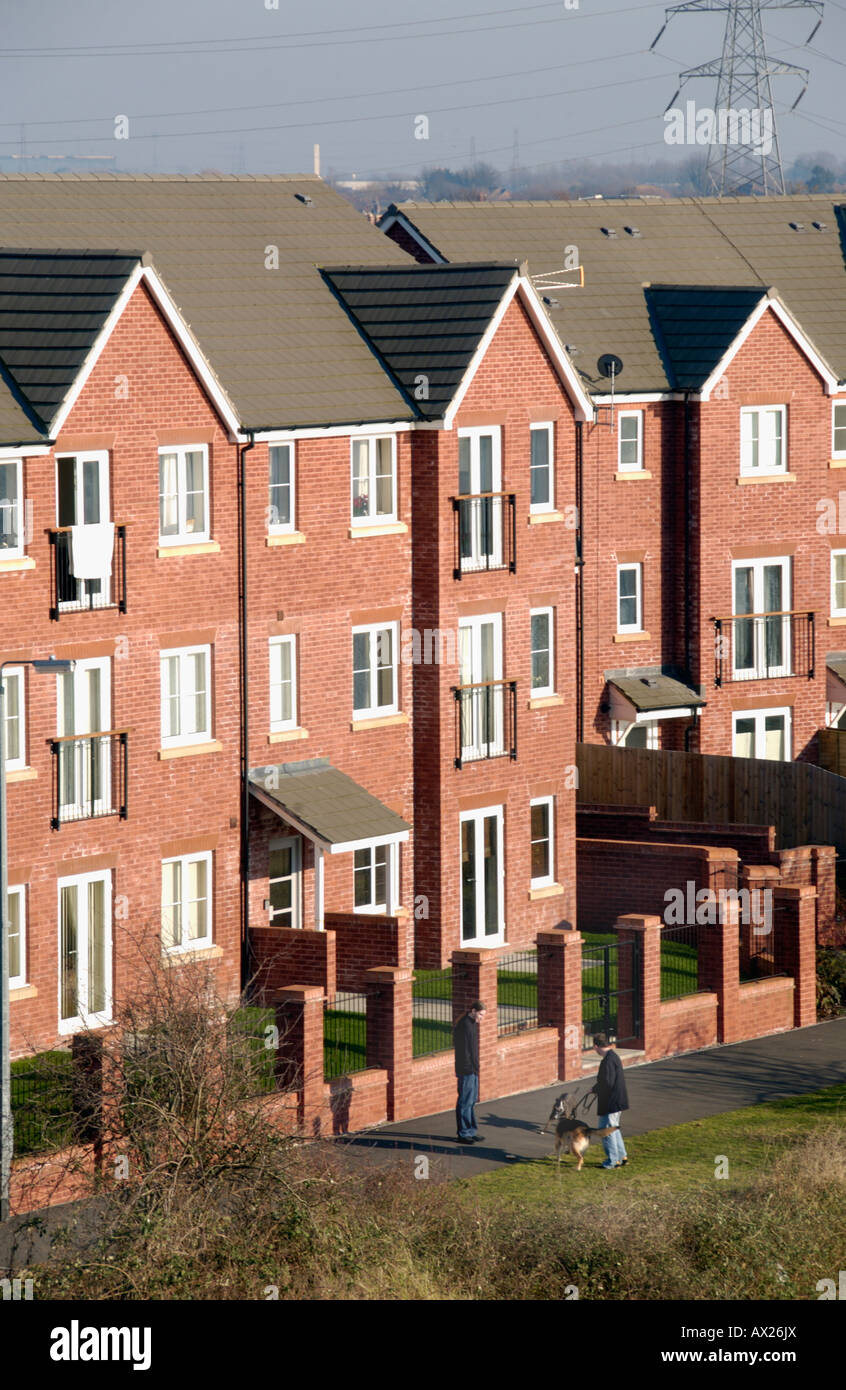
[
  {"x": 611, "y": 1094},
  {"x": 466, "y": 1036}
]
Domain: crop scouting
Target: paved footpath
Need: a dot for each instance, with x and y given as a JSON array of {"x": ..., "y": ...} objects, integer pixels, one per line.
[{"x": 662, "y": 1093}]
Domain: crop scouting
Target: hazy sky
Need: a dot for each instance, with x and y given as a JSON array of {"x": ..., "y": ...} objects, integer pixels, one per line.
[{"x": 241, "y": 87}]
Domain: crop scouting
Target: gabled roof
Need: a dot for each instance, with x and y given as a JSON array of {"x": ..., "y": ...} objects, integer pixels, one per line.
[
  {"x": 795, "y": 243},
  {"x": 425, "y": 323},
  {"x": 326, "y": 804},
  {"x": 239, "y": 258},
  {"x": 16, "y": 426},
  {"x": 695, "y": 327}
]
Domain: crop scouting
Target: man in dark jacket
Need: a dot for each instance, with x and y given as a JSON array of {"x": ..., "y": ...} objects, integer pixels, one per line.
[
  {"x": 611, "y": 1100},
  {"x": 466, "y": 1038}
]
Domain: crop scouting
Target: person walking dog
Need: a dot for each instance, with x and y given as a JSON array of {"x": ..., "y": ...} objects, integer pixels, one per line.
[
  {"x": 466, "y": 1039},
  {"x": 611, "y": 1100}
]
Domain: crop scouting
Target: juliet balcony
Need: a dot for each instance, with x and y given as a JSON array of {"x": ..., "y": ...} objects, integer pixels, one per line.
[
  {"x": 485, "y": 721},
  {"x": 763, "y": 646},
  {"x": 74, "y": 594},
  {"x": 90, "y": 776},
  {"x": 485, "y": 532}
]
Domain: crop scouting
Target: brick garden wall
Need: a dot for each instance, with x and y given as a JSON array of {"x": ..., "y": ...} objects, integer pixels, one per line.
[{"x": 619, "y": 876}]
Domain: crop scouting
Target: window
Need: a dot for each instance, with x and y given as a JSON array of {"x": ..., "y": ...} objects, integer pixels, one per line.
[
  {"x": 634, "y": 735},
  {"x": 480, "y": 504},
  {"x": 281, "y": 504},
  {"x": 14, "y": 732},
  {"x": 763, "y": 440},
  {"x": 375, "y": 669},
  {"x": 838, "y": 430},
  {"x": 183, "y": 495},
  {"x": 542, "y": 820},
  {"x": 542, "y": 468},
  {"x": 284, "y": 882},
  {"x": 482, "y": 693},
  {"x": 762, "y": 733},
  {"x": 186, "y": 902},
  {"x": 630, "y": 440},
  {"x": 283, "y": 683},
  {"x": 85, "y": 951},
  {"x": 543, "y": 658},
  {"x": 84, "y": 762},
  {"x": 762, "y": 642},
  {"x": 186, "y": 696},
  {"x": 16, "y": 916},
  {"x": 11, "y": 509},
  {"x": 838, "y": 583},
  {"x": 482, "y": 877},
  {"x": 374, "y": 490},
  {"x": 629, "y": 601},
  {"x": 375, "y": 881}
]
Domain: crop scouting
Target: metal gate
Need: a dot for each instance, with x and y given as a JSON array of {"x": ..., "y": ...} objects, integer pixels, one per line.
[{"x": 611, "y": 990}]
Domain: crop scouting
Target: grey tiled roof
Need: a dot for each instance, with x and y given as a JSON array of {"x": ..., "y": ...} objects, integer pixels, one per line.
[
  {"x": 653, "y": 690},
  {"x": 281, "y": 346},
  {"x": 694, "y": 327},
  {"x": 327, "y": 801},
  {"x": 16, "y": 427},
  {"x": 423, "y": 321},
  {"x": 757, "y": 242}
]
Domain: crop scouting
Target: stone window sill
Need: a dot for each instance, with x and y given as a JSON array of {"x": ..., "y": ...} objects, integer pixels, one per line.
[
  {"x": 182, "y": 957},
  {"x": 549, "y": 890},
  {"x": 22, "y": 774},
  {"x": 189, "y": 749},
  {"x": 632, "y": 637},
  {"x": 630, "y": 475},
  {"x": 538, "y": 518},
  {"x": 23, "y": 992},
  {"x": 23, "y": 562},
  {"x": 165, "y": 552},
  {"x": 837, "y": 463},
  {"x": 765, "y": 478},
  {"x": 287, "y": 736},
  {"x": 285, "y": 538},
  {"x": 386, "y": 528},
  {"x": 382, "y": 721},
  {"x": 544, "y": 701},
  {"x": 836, "y": 622}
]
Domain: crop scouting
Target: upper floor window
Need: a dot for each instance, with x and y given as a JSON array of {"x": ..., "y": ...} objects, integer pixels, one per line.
[
  {"x": 543, "y": 654},
  {"x": 374, "y": 481},
  {"x": 16, "y": 916},
  {"x": 281, "y": 502},
  {"x": 629, "y": 598},
  {"x": 542, "y": 469},
  {"x": 186, "y": 696},
  {"x": 183, "y": 495},
  {"x": 11, "y": 509},
  {"x": 838, "y": 583},
  {"x": 14, "y": 732},
  {"x": 630, "y": 440},
  {"x": 186, "y": 902},
  {"x": 375, "y": 652},
  {"x": 763, "y": 440},
  {"x": 283, "y": 683},
  {"x": 838, "y": 430}
]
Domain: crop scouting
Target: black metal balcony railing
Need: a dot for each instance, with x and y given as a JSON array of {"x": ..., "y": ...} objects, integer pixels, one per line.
[
  {"x": 72, "y": 595},
  {"x": 485, "y": 532},
  {"x": 762, "y": 646},
  {"x": 485, "y": 721},
  {"x": 90, "y": 776}
]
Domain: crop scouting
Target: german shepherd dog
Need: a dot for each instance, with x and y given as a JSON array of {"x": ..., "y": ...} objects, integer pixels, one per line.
[{"x": 571, "y": 1135}]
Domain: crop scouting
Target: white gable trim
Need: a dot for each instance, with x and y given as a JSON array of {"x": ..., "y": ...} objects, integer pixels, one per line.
[
  {"x": 773, "y": 304},
  {"x": 180, "y": 331},
  {"x": 573, "y": 387},
  {"x": 409, "y": 227}
]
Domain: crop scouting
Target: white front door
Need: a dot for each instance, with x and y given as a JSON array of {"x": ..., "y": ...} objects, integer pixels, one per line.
[
  {"x": 482, "y": 878},
  {"x": 85, "y": 701},
  {"x": 82, "y": 499},
  {"x": 761, "y": 644},
  {"x": 482, "y": 699},
  {"x": 285, "y": 882}
]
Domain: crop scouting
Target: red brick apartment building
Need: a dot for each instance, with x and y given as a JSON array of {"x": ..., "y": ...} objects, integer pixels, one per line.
[
  {"x": 301, "y": 532},
  {"x": 711, "y": 549}
]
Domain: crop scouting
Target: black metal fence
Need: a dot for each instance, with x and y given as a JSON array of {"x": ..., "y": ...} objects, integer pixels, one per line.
[
  {"x": 42, "y": 1102},
  {"x": 344, "y": 1035},
  {"x": 680, "y": 948},
  {"x": 764, "y": 645},
  {"x": 90, "y": 776},
  {"x": 485, "y": 721},
  {"x": 485, "y": 532},
  {"x": 517, "y": 992},
  {"x": 611, "y": 989},
  {"x": 72, "y": 595},
  {"x": 431, "y": 1007},
  {"x": 253, "y": 1045}
]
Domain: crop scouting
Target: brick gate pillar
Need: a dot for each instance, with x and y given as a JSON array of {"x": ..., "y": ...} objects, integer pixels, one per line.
[
  {"x": 631, "y": 927},
  {"x": 823, "y": 867},
  {"x": 560, "y": 996},
  {"x": 299, "y": 1059},
  {"x": 474, "y": 977},
  {"x": 719, "y": 967},
  {"x": 794, "y": 947},
  {"x": 389, "y": 1031}
]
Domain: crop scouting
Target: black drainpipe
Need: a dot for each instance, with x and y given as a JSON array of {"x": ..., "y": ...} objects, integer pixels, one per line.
[
  {"x": 580, "y": 592},
  {"x": 245, "y": 708}
]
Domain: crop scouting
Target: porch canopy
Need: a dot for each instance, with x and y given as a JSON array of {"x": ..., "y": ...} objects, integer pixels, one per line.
[
  {"x": 642, "y": 695},
  {"x": 329, "y": 809}
]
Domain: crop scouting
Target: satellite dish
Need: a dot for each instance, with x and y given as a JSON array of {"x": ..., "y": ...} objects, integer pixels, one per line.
[{"x": 609, "y": 365}]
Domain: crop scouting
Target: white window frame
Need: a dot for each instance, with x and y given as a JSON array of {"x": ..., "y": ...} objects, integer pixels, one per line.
[
  {"x": 75, "y": 774},
  {"x": 760, "y": 715},
  {"x": 836, "y": 612},
  {"x": 765, "y": 468},
  {"x": 276, "y": 643},
  {"x": 546, "y": 879},
  {"x": 84, "y": 1018},
  {"x": 186, "y": 943},
  {"x": 637, "y": 466},
  {"x": 371, "y": 517},
  {"x": 392, "y": 861},
  {"x": 637, "y": 625},
  {"x": 183, "y": 536},
  {"x": 275, "y": 527},
  {"x": 758, "y": 671},
  {"x": 478, "y": 817},
  {"x": 15, "y": 673},
  {"x": 537, "y": 692},
  {"x": 15, "y": 506},
  {"x": 548, "y": 428},
  {"x": 18, "y": 890},
  {"x": 371, "y": 710},
  {"x": 295, "y": 844},
  {"x": 835, "y": 452},
  {"x": 474, "y": 720},
  {"x": 200, "y": 736}
]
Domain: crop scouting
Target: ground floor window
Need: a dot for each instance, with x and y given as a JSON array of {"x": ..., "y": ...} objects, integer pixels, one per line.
[
  {"x": 543, "y": 841},
  {"x": 375, "y": 878},
  {"x": 762, "y": 733},
  {"x": 186, "y": 902},
  {"x": 85, "y": 950},
  {"x": 482, "y": 877}
]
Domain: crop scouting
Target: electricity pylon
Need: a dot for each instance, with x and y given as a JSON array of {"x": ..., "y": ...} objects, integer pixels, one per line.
[{"x": 746, "y": 157}]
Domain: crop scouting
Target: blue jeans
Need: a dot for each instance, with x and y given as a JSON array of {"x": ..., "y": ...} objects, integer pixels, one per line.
[
  {"x": 465, "y": 1115},
  {"x": 615, "y": 1149}
]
